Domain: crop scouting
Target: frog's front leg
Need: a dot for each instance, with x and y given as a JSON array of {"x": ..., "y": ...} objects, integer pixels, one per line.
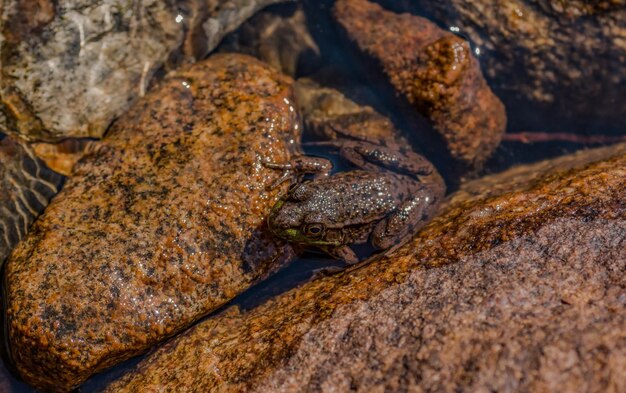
[
  {"x": 406, "y": 219},
  {"x": 299, "y": 165}
]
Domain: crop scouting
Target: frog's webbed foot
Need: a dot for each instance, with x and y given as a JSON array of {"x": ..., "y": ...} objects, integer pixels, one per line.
[
  {"x": 403, "y": 222},
  {"x": 344, "y": 253},
  {"x": 300, "y": 165}
]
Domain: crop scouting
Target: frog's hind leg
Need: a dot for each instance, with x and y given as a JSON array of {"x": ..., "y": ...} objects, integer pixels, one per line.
[
  {"x": 373, "y": 157},
  {"x": 403, "y": 222}
]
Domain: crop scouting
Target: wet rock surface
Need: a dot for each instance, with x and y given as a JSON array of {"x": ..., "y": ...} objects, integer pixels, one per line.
[
  {"x": 70, "y": 67},
  {"x": 278, "y": 36},
  {"x": 26, "y": 187},
  {"x": 326, "y": 111},
  {"x": 159, "y": 226},
  {"x": 520, "y": 290},
  {"x": 562, "y": 61},
  {"x": 435, "y": 71},
  {"x": 62, "y": 156}
]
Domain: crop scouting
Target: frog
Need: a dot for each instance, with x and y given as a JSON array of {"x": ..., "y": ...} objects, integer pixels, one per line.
[{"x": 385, "y": 199}]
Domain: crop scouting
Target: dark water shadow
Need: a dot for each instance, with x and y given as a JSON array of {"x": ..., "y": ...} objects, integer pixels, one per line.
[{"x": 100, "y": 381}]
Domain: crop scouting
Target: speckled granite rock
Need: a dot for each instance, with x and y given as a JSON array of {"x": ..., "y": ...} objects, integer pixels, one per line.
[
  {"x": 436, "y": 72},
  {"x": 278, "y": 36},
  {"x": 163, "y": 225},
  {"x": 69, "y": 67},
  {"x": 524, "y": 293},
  {"x": 557, "y": 59},
  {"x": 26, "y": 187}
]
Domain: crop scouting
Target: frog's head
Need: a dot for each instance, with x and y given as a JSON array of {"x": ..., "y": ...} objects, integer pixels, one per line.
[{"x": 290, "y": 221}]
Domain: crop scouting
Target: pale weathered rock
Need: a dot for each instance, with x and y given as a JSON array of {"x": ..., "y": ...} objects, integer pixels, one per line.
[
  {"x": 278, "y": 37},
  {"x": 435, "y": 71},
  {"x": 524, "y": 293},
  {"x": 163, "y": 225},
  {"x": 69, "y": 67},
  {"x": 26, "y": 187},
  {"x": 548, "y": 60}
]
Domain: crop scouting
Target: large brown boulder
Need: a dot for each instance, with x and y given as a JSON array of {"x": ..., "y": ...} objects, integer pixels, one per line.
[
  {"x": 520, "y": 290},
  {"x": 70, "y": 67},
  {"x": 26, "y": 187},
  {"x": 550, "y": 61},
  {"x": 435, "y": 71},
  {"x": 161, "y": 225}
]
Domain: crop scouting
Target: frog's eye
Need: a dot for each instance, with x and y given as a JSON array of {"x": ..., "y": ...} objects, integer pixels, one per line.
[{"x": 314, "y": 230}]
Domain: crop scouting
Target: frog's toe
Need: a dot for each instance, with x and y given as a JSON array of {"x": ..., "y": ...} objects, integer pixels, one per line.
[
  {"x": 344, "y": 253},
  {"x": 274, "y": 165},
  {"x": 287, "y": 175},
  {"x": 327, "y": 271}
]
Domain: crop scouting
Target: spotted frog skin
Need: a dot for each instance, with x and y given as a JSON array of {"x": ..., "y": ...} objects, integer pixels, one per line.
[{"x": 390, "y": 195}]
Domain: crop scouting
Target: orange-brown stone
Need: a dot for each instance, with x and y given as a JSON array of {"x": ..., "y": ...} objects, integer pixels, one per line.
[
  {"x": 161, "y": 224},
  {"x": 520, "y": 289},
  {"x": 435, "y": 71}
]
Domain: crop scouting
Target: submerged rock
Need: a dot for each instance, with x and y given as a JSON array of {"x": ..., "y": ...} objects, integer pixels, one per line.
[
  {"x": 477, "y": 300},
  {"x": 325, "y": 111},
  {"x": 70, "y": 67},
  {"x": 62, "y": 156},
  {"x": 163, "y": 225},
  {"x": 435, "y": 71},
  {"x": 562, "y": 61},
  {"x": 26, "y": 187},
  {"x": 279, "y": 37}
]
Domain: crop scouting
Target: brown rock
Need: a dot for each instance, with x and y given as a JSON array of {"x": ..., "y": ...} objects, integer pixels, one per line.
[
  {"x": 62, "y": 156},
  {"x": 25, "y": 18},
  {"x": 325, "y": 110},
  {"x": 562, "y": 61},
  {"x": 162, "y": 226},
  {"x": 436, "y": 72},
  {"x": 278, "y": 37},
  {"x": 69, "y": 67},
  {"x": 524, "y": 293},
  {"x": 26, "y": 187}
]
